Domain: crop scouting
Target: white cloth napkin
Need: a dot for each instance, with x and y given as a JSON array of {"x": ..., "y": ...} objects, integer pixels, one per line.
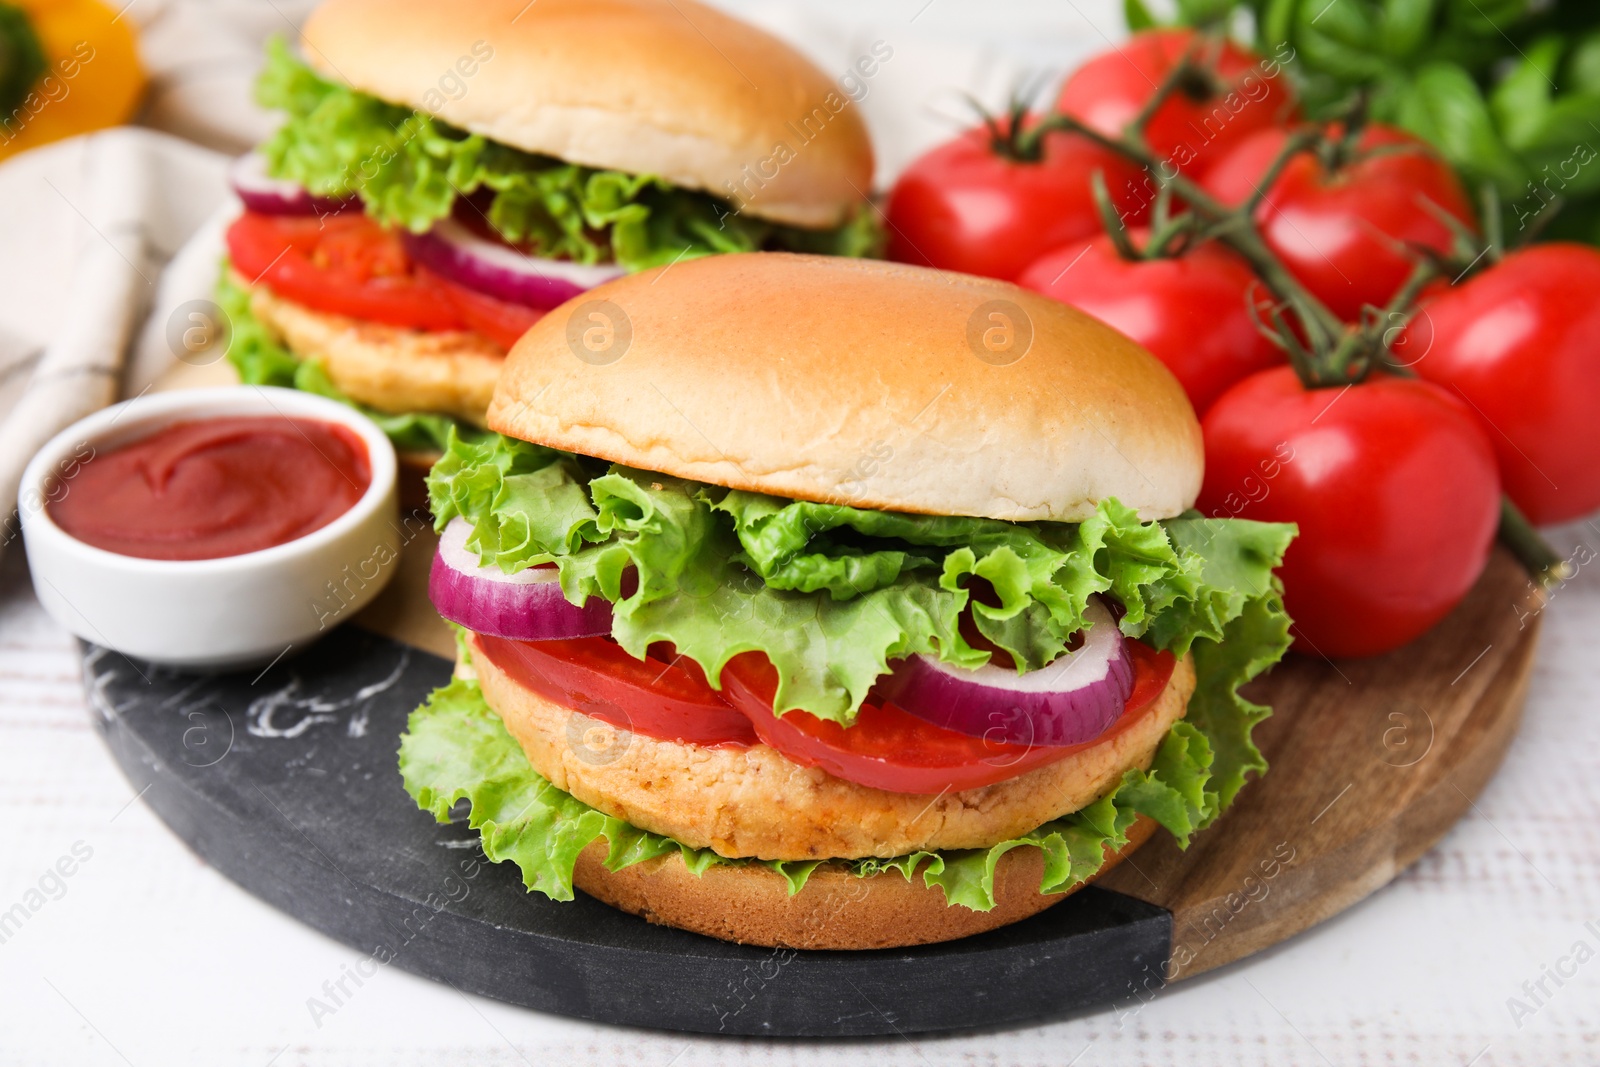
[
  {"x": 106, "y": 211},
  {"x": 202, "y": 57}
]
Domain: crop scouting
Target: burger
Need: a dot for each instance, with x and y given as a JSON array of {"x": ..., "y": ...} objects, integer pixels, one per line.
[
  {"x": 445, "y": 173},
  {"x": 836, "y": 604}
]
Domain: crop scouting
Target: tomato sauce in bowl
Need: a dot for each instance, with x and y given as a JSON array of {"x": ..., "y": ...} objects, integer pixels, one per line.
[{"x": 216, "y": 487}]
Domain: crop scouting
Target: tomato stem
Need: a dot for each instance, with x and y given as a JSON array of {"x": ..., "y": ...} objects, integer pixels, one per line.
[
  {"x": 1111, "y": 218},
  {"x": 1544, "y": 564},
  {"x": 1164, "y": 233},
  {"x": 1298, "y": 142},
  {"x": 1494, "y": 227},
  {"x": 1338, "y": 152},
  {"x": 1323, "y": 348},
  {"x": 1234, "y": 228},
  {"x": 1185, "y": 69}
]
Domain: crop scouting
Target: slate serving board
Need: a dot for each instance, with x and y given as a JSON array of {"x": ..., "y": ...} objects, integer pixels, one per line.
[
  {"x": 286, "y": 781},
  {"x": 287, "y": 784}
]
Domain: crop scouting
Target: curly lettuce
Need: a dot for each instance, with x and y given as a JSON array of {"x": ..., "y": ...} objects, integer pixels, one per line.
[
  {"x": 410, "y": 169},
  {"x": 831, "y": 593},
  {"x": 456, "y": 748}
]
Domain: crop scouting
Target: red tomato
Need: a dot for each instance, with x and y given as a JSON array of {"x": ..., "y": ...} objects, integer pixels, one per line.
[
  {"x": 964, "y": 206},
  {"x": 1345, "y": 235},
  {"x": 500, "y": 321},
  {"x": 1394, "y": 487},
  {"x": 1521, "y": 343},
  {"x": 663, "y": 699},
  {"x": 888, "y": 748},
  {"x": 344, "y": 264},
  {"x": 1193, "y": 128},
  {"x": 1191, "y": 312}
]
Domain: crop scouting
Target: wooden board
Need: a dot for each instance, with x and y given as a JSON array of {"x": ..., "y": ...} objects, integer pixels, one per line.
[{"x": 1372, "y": 762}]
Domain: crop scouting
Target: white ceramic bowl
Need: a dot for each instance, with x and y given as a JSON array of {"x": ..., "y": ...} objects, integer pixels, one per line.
[{"x": 209, "y": 613}]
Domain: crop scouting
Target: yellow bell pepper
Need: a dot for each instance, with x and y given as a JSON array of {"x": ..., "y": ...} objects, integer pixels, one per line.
[{"x": 66, "y": 67}]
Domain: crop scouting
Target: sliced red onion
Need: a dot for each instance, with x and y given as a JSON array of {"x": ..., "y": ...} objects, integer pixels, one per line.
[
  {"x": 501, "y": 271},
  {"x": 1070, "y": 701},
  {"x": 274, "y": 196},
  {"x": 526, "y": 606}
]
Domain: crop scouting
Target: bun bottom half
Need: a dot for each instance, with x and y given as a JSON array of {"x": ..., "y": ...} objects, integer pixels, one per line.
[{"x": 836, "y": 910}]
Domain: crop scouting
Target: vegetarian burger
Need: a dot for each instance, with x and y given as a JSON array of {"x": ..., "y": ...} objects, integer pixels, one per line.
[
  {"x": 844, "y": 604},
  {"x": 447, "y": 172}
]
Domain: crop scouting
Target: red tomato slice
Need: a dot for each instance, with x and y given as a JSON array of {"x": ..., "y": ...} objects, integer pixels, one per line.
[
  {"x": 889, "y": 748},
  {"x": 344, "y": 264},
  {"x": 665, "y": 699},
  {"x": 502, "y": 322}
]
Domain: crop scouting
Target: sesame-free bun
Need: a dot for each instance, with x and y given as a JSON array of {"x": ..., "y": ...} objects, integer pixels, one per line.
[
  {"x": 858, "y": 382},
  {"x": 835, "y": 910},
  {"x": 666, "y": 87}
]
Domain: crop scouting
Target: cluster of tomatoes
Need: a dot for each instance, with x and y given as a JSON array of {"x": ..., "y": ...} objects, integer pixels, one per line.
[{"x": 1489, "y": 385}]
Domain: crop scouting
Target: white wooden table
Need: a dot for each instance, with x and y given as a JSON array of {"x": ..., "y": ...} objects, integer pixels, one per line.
[{"x": 143, "y": 955}]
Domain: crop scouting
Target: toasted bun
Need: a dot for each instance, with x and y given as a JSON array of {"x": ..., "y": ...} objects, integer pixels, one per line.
[
  {"x": 858, "y": 382},
  {"x": 755, "y": 802},
  {"x": 388, "y": 368},
  {"x": 666, "y": 87},
  {"x": 835, "y": 910}
]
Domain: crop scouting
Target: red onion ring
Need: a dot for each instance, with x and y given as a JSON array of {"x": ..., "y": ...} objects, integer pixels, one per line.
[
  {"x": 1072, "y": 700},
  {"x": 500, "y": 270},
  {"x": 273, "y": 196},
  {"x": 526, "y": 606}
]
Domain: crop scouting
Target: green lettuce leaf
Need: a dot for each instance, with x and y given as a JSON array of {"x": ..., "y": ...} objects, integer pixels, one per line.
[
  {"x": 409, "y": 169},
  {"x": 832, "y": 593},
  {"x": 455, "y": 747},
  {"x": 259, "y": 359},
  {"x": 253, "y": 350}
]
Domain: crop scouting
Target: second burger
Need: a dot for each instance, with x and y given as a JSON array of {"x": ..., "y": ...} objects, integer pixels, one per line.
[{"x": 448, "y": 172}]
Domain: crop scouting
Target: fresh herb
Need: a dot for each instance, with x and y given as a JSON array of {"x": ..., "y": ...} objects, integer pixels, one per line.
[{"x": 1507, "y": 90}]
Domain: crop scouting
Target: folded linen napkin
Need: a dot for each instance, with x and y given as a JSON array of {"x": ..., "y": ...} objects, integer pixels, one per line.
[{"x": 91, "y": 222}]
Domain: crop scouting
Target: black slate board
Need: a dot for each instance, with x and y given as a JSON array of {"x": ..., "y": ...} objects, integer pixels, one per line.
[{"x": 286, "y": 782}]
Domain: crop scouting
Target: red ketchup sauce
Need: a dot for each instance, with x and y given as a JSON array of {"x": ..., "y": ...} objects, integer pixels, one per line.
[{"x": 216, "y": 487}]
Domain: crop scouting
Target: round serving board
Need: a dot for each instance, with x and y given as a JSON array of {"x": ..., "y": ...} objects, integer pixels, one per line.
[{"x": 285, "y": 780}]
